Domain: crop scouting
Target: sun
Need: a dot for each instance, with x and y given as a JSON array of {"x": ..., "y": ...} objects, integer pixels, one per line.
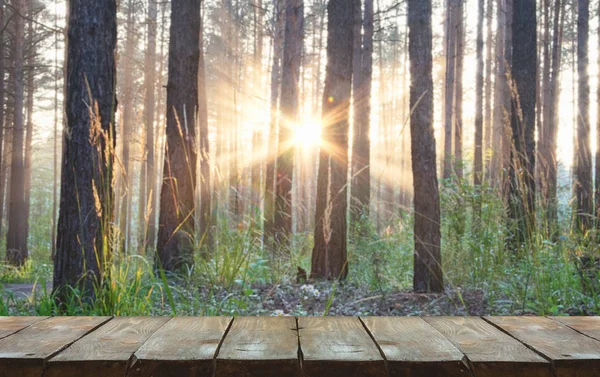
[{"x": 308, "y": 133}]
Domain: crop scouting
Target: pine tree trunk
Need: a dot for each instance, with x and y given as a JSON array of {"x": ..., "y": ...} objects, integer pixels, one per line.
[
  {"x": 428, "y": 261},
  {"x": 16, "y": 238},
  {"x": 488, "y": 114},
  {"x": 86, "y": 199},
  {"x": 329, "y": 256},
  {"x": 583, "y": 176},
  {"x": 458, "y": 90},
  {"x": 206, "y": 220},
  {"x": 449, "y": 86},
  {"x": 522, "y": 158},
  {"x": 478, "y": 167},
  {"x": 176, "y": 219},
  {"x": 149, "y": 222},
  {"x": 269, "y": 222},
  {"x": 32, "y": 51},
  {"x": 3, "y": 132},
  {"x": 289, "y": 115}
]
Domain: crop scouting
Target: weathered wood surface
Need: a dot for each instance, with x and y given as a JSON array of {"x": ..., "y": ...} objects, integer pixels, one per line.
[
  {"x": 24, "y": 353},
  {"x": 572, "y": 354},
  {"x": 490, "y": 352},
  {"x": 105, "y": 352},
  {"x": 338, "y": 347},
  {"x": 256, "y": 346},
  {"x": 413, "y": 348},
  {"x": 184, "y": 346},
  {"x": 300, "y": 347}
]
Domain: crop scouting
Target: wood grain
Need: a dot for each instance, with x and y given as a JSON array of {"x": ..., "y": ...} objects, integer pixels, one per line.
[
  {"x": 11, "y": 325},
  {"x": 255, "y": 346},
  {"x": 572, "y": 354},
  {"x": 491, "y": 352},
  {"x": 183, "y": 347},
  {"x": 338, "y": 347},
  {"x": 414, "y": 348},
  {"x": 24, "y": 353},
  {"x": 589, "y": 326},
  {"x": 107, "y": 351}
]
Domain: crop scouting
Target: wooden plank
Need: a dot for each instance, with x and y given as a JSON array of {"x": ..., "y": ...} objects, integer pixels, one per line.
[
  {"x": 589, "y": 326},
  {"x": 491, "y": 352},
  {"x": 184, "y": 346},
  {"x": 107, "y": 351},
  {"x": 338, "y": 347},
  {"x": 414, "y": 348},
  {"x": 11, "y": 325},
  {"x": 572, "y": 354},
  {"x": 24, "y": 353},
  {"x": 255, "y": 346}
]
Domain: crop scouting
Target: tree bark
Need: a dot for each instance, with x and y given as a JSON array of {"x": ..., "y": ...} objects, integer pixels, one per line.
[
  {"x": 86, "y": 198},
  {"x": 458, "y": 90},
  {"x": 478, "y": 168},
  {"x": 583, "y": 175},
  {"x": 428, "y": 275},
  {"x": 361, "y": 150},
  {"x": 522, "y": 157},
  {"x": 175, "y": 241},
  {"x": 329, "y": 256},
  {"x": 449, "y": 85},
  {"x": 150, "y": 96},
  {"x": 292, "y": 52},
  {"x": 32, "y": 51},
  {"x": 16, "y": 238}
]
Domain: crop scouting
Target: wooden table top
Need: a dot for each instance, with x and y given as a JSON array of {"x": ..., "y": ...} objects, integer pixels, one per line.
[{"x": 300, "y": 347}]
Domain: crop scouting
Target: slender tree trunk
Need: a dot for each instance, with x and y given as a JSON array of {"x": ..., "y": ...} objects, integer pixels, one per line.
[
  {"x": 55, "y": 166},
  {"x": 488, "y": 114},
  {"x": 458, "y": 90},
  {"x": 258, "y": 88},
  {"x": 127, "y": 129},
  {"x": 499, "y": 85},
  {"x": 2, "y": 114},
  {"x": 551, "y": 109},
  {"x": 507, "y": 96},
  {"x": 289, "y": 112},
  {"x": 363, "y": 77},
  {"x": 86, "y": 196},
  {"x": 206, "y": 220},
  {"x": 29, "y": 124},
  {"x": 269, "y": 222},
  {"x": 16, "y": 238},
  {"x": 176, "y": 219},
  {"x": 522, "y": 166},
  {"x": 478, "y": 168},
  {"x": 451, "y": 8},
  {"x": 329, "y": 256},
  {"x": 428, "y": 275},
  {"x": 149, "y": 209},
  {"x": 583, "y": 176}
]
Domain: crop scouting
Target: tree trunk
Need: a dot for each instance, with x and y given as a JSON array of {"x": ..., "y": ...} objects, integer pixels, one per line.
[
  {"x": 2, "y": 114},
  {"x": 269, "y": 222},
  {"x": 428, "y": 275},
  {"x": 206, "y": 220},
  {"x": 55, "y": 166},
  {"x": 176, "y": 219},
  {"x": 16, "y": 238},
  {"x": 86, "y": 196},
  {"x": 29, "y": 108},
  {"x": 478, "y": 168},
  {"x": 583, "y": 177},
  {"x": 522, "y": 157},
  {"x": 458, "y": 90},
  {"x": 488, "y": 120},
  {"x": 361, "y": 150},
  {"x": 449, "y": 85},
  {"x": 256, "y": 167},
  {"x": 289, "y": 115},
  {"x": 329, "y": 256},
  {"x": 150, "y": 95},
  {"x": 127, "y": 129}
]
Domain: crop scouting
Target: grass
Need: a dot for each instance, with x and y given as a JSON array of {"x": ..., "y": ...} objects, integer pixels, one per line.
[{"x": 546, "y": 277}]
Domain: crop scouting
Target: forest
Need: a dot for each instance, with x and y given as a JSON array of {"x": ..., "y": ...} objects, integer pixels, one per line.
[{"x": 299, "y": 157}]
